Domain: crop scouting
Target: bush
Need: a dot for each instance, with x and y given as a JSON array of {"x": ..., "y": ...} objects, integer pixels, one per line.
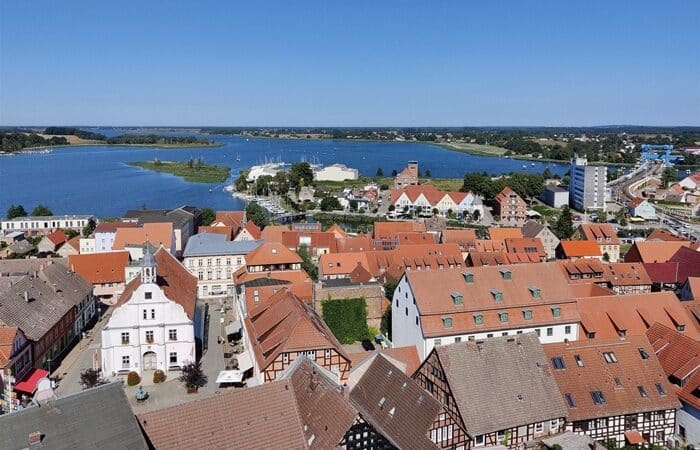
[
  {"x": 347, "y": 319},
  {"x": 158, "y": 376},
  {"x": 133, "y": 379},
  {"x": 90, "y": 378}
]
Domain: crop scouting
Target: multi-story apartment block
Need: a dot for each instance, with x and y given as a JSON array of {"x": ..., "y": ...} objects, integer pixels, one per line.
[{"x": 587, "y": 185}]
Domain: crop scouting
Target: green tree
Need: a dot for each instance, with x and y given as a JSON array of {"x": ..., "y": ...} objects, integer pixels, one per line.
[
  {"x": 428, "y": 173},
  {"x": 353, "y": 204},
  {"x": 669, "y": 176},
  {"x": 208, "y": 216},
  {"x": 606, "y": 257},
  {"x": 301, "y": 174},
  {"x": 547, "y": 174},
  {"x": 241, "y": 184},
  {"x": 389, "y": 288},
  {"x": 16, "y": 211},
  {"x": 380, "y": 172},
  {"x": 42, "y": 210},
  {"x": 564, "y": 226},
  {"x": 330, "y": 203},
  {"x": 193, "y": 376},
  {"x": 257, "y": 214},
  {"x": 394, "y": 173},
  {"x": 281, "y": 182},
  {"x": 307, "y": 264}
]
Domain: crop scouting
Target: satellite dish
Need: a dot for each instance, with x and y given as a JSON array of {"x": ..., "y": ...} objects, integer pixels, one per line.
[{"x": 44, "y": 391}]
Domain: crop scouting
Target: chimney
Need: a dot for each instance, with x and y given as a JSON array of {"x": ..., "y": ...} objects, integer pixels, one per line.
[
  {"x": 26, "y": 296},
  {"x": 34, "y": 440}
]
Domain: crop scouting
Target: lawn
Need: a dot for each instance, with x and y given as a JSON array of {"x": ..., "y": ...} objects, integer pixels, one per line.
[{"x": 197, "y": 173}]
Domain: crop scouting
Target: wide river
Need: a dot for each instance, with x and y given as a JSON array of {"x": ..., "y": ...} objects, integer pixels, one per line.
[{"x": 97, "y": 179}]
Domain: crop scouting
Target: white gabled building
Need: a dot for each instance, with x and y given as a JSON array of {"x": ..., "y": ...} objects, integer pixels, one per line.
[
  {"x": 431, "y": 308},
  {"x": 153, "y": 324}
]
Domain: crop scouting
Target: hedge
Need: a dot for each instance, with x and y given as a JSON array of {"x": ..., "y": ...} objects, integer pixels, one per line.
[{"x": 347, "y": 319}]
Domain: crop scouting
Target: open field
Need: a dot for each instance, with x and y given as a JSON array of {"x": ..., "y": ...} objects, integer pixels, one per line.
[
  {"x": 203, "y": 173},
  {"x": 475, "y": 149},
  {"x": 72, "y": 139}
]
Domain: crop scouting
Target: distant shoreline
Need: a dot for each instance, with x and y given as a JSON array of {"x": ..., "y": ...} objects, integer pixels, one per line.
[{"x": 101, "y": 144}]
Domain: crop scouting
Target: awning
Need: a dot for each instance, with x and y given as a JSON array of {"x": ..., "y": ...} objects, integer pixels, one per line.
[
  {"x": 28, "y": 384},
  {"x": 229, "y": 376},
  {"x": 244, "y": 361},
  {"x": 233, "y": 328},
  {"x": 634, "y": 437}
]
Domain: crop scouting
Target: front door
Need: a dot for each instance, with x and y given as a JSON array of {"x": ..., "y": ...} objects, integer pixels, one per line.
[{"x": 149, "y": 361}]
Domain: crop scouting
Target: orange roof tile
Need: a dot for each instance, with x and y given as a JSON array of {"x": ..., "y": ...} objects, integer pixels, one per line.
[
  {"x": 58, "y": 237},
  {"x": 360, "y": 243},
  {"x": 529, "y": 246},
  {"x": 234, "y": 219},
  {"x": 660, "y": 234},
  {"x": 573, "y": 249},
  {"x": 273, "y": 233},
  {"x": 156, "y": 234},
  {"x": 225, "y": 230},
  {"x": 74, "y": 242},
  {"x": 337, "y": 231},
  {"x": 501, "y": 233},
  {"x": 7, "y": 339},
  {"x": 271, "y": 253},
  {"x": 653, "y": 251},
  {"x": 389, "y": 230},
  {"x": 407, "y": 357},
  {"x": 626, "y": 274},
  {"x": 269, "y": 283},
  {"x": 602, "y": 233},
  {"x": 316, "y": 239},
  {"x": 100, "y": 268}
]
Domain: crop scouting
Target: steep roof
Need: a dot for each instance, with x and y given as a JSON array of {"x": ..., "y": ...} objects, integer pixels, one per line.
[
  {"x": 633, "y": 314},
  {"x": 501, "y": 233},
  {"x": 659, "y": 234},
  {"x": 360, "y": 243},
  {"x": 602, "y": 233},
  {"x": 458, "y": 236},
  {"x": 434, "y": 293},
  {"x": 253, "y": 229},
  {"x": 273, "y": 233},
  {"x": 35, "y": 306},
  {"x": 653, "y": 251},
  {"x": 7, "y": 339},
  {"x": 507, "y": 373},
  {"x": 502, "y": 197},
  {"x": 688, "y": 263},
  {"x": 154, "y": 233},
  {"x": 583, "y": 271},
  {"x": 532, "y": 228},
  {"x": 100, "y": 268},
  {"x": 594, "y": 373},
  {"x": 477, "y": 259},
  {"x": 693, "y": 284},
  {"x": 626, "y": 274},
  {"x": 315, "y": 239},
  {"x": 271, "y": 253},
  {"x": 573, "y": 249},
  {"x": 210, "y": 423},
  {"x": 57, "y": 238},
  {"x": 233, "y": 219},
  {"x": 342, "y": 263},
  {"x": 337, "y": 230},
  {"x": 529, "y": 246},
  {"x": 636, "y": 202},
  {"x": 111, "y": 227},
  {"x": 284, "y": 323},
  {"x": 208, "y": 244},
  {"x": 94, "y": 418},
  {"x": 221, "y": 229},
  {"x": 395, "y": 405},
  {"x": 405, "y": 358},
  {"x": 269, "y": 283},
  {"x": 680, "y": 359},
  {"x": 178, "y": 284}
]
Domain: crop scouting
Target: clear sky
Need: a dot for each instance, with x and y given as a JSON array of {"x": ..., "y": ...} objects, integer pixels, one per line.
[{"x": 350, "y": 63}]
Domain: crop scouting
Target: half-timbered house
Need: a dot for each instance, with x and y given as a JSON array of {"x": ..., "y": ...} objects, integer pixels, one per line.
[
  {"x": 498, "y": 390},
  {"x": 614, "y": 389},
  {"x": 283, "y": 327}
]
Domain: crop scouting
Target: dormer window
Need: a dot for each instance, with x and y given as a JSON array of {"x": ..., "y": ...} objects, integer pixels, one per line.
[
  {"x": 497, "y": 295},
  {"x": 527, "y": 314},
  {"x": 506, "y": 274},
  {"x": 556, "y": 311},
  {"x": 535, "y": 292},
  {"x": 503, "y": 316},
  {"x": 468, "y": 277},
  {"x": 478, "y": 319},
  {"x": 457, "y": 298},
  {"x": 447, "y": 322}
]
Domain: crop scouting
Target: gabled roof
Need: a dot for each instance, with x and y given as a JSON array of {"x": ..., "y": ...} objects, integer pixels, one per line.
[
  {"x": 74, "y": 242},
  {"x": 360, "y": 243},
  {"x": 626, "y": 274},
  {"x": 208, "y": 244},
  {"x": 57, "y": 238},
  {"x": 633, "y": 314},
  {"x": 389, "y": 230},
  {"x": 653, "y": 251},
  {"x": 532, "y": 228},
  {"x": 284, "y": 323},
  {"x": 253, "y": 230},
  {"x": 459, "y": 236},
  {"x": 395, "y": 405},
  {"x": 583, "y": 271},
  {"x": 154, "y": 233},
  {"x": 272, "y": 253},
  {"x": 317, "y": 239},
  {"x": 659, "y": 234},
  {"x": 679, "y": 356},
  {"x": 221, "y": 229},
  {"x": 405, "y": 358},
  {"x": 7, "y": 339},
  {"x": 501, "y": 233},
  {"x": 94, "y": 418},
  {"x": 477, "y": 259},
  {"x": 269, "y": 283},
  {"x": 178, "y": 284},
  {"x": 597, "y": 375},
  {"x": 342, "y": 263},
  {"x": 507, "y": 373},
  {"x": 273, "y": 233},
  {"x": 530, "y": 246},
  {"x": 234, "y": 219},
  {"x": 636, "y": 202},
  {"x": 337, "y": 230},
  {"x": 693, "y": 285},
  {"x": 503, "y": 197},
  {"x": 100, "y": 268},
  {"x": 688, "y": 263},
  {"x": 573, "y": 249},
  {"x": 603, "y": 231}
]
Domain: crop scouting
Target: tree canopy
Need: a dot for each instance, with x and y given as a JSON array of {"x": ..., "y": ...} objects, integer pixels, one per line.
[
  {"x": 41, "y": 210},
  {"x": 208, "y": 216},
  {"x": 330, "y": 203},
  {"x": 16, "y": 211},
  {"x": 256, "y": 213},
  {"x": 564, "y": 226},
  {"x": 301, "y": 174}
]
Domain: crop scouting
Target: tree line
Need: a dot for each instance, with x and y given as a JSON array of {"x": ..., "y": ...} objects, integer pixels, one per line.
[
  {"x": 68, "y": 131},
  {"x": 14, "y": 142}
]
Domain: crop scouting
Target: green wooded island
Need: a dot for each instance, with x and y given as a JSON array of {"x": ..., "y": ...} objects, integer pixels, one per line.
[{"x": 193, "y": 170}]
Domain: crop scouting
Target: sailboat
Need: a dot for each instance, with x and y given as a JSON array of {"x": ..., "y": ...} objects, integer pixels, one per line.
[{"x": 238, "y": 156}]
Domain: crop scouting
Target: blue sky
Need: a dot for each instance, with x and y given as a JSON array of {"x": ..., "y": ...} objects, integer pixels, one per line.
[{"x": 351, "y": 63}]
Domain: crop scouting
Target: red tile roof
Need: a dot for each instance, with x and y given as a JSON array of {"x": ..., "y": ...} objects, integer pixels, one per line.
[
  {"x": 633, "y": 314},
  {"x": 272, "y": 253},
  {"x": 225, "y": 230},
  {"x": 653, "y": 251},
  {"x": 389, "y": 230},
  {"x": 360, "y": 243},
  {"x": 316, "y": 239},
  {"x": 660, "y": 234},
  {"x": 576, "y": 249},
  {"x": 234, "y": 219},
  {"x": 100, "y": 268},
  {"x": 627, "y": 274},
  {"x": 178, "y": 284},
  {"x": 405, "y": 358},
  {"x": 583, "y": 271},
  {"x": 74, "y": 242},
  {"x": 597, "y": 375},
  {"x": 58, "y": 237},
  {"x": 7, "y": 339},
  {"x": 284, "y": 323},
  {"x": 297, "y": 281},
  {"x": 253, "y": 229},
  {"x": 273, "y": 233},
  {"x": 501, "y": 233},
  {"x": 156, "y": 234},
  {"x": 602, "y": 233},
  {"x": 529, "y": 246},
  {"x": 477, "y": 259},
  {"x": 636, "y": 202}
]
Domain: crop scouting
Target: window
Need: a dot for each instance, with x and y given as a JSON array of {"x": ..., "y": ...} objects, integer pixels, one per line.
[
  {"x": 489, "y": 335},
  {"x": 618, "y": 383},
  {"x": 598, "y": 397},
  {"x": 447, "y": 322},
  {"x": 172, "y": 335},
  {"x": 145, "y": 314},
  {"x": 437, "y": 342},
  {"x": 539, "y": 427},
  {"x": 550, "y": 331},
  {"x": 125, "y": 362},
  {"x": 570, "y": 400},
  {"x": 537, "y": 330},
  {"x": 153, "y": 314},
  {"x": 500, "y": 435},
  {"x": 642, "y": 391},
  {"x": 567, "y": 329},
  {"x": 479, "y": 440},
  {"x": 458, "y": 339},
  {"x": 535, "y": 292},
  {"x": 125, "y": 338},
  {"x": 478, "y": 319},
  {"x": 506, "y": 274},
  {"x": 416, "y": 320},
  {"x": 643, "y": 353},
  {"x": 407, "y": 310},
  {"x": 457, "y": 298},
  {"x": 503, "y": 316},
  {"x": 556, "y": 311},
  {"x": 149, "y": 337},
  {"x": 579, "y": 360},
  {"x": 609, "y": 357},
  {"x": 497, "y": 295},
  {"x": 661, "y": 389},
  {"x": 173, "y": 357},
  {"x": 148, "y": 295},
  {"x": 285, "y": 358},
  {"x": 554, "y": 424},
  {"x": 469, "y": 278},
  {"x": 527, "y": 314},
  {"x": 558, "y": 363}
]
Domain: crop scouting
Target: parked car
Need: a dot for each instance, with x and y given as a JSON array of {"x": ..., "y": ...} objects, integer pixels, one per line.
[{"x": 367, "y": 345}]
